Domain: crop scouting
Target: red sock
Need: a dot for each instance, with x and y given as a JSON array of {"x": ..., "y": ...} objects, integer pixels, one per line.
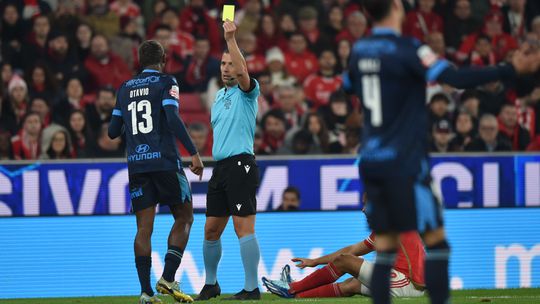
[
  {"x": 327, "y": 274},
  {"x": 326, "y": 291}
]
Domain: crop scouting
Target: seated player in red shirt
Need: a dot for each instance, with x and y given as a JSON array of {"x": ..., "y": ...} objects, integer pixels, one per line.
[{"x": 407, "y": 276}]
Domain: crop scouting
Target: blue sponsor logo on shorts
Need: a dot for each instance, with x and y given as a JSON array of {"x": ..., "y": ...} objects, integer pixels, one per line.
[{"x": 136, "y": 193}]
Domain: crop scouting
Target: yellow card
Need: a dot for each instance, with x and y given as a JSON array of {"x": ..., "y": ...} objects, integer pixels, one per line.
[{"x": 228, "y": 12}]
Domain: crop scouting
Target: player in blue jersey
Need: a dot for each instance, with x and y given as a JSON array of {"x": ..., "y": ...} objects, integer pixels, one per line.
[
  {"x": 389, "y": 73},
  {"x": 233, "y": 186},
  {"x": 146, "y": 113}
]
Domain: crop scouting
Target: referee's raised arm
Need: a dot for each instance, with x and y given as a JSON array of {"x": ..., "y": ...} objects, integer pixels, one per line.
[{"x": 237, "y": 59}]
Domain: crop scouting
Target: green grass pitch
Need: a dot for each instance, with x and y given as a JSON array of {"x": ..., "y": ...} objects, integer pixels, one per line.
[{"x": 500, "y": 296}]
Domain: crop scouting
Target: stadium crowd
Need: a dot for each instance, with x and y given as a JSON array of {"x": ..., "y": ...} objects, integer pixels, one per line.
[{"x": 62, "y": 61}]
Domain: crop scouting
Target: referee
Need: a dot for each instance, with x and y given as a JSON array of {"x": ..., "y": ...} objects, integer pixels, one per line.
[{"x": 233, "y": 186}]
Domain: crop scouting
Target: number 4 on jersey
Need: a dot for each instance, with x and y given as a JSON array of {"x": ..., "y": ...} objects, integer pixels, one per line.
[{"x": 371, "y": 91}]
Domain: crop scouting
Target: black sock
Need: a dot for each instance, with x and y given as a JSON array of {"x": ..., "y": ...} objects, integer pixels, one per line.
[
  {"x": 143, "y": 264},
  {"x": 172, "y": 262},
  {"x": 380, "y": 279},
  {"x": 436, "y": 273}
]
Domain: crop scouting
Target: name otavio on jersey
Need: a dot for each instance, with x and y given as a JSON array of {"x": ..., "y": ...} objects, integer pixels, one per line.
[
  {"x": 142, "y": 81},
  {"x": 143, "y": 153}
]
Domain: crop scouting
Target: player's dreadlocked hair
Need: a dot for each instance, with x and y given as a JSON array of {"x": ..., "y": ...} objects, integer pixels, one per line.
[
  {"x": 151, "y": 53},
  {"x": 378, "y": 9}
]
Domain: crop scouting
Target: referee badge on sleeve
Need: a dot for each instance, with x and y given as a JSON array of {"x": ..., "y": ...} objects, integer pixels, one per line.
[{"x": 175, "y": 92}]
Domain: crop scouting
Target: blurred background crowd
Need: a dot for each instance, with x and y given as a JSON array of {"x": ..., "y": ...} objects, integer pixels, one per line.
[{"x": 62, "y": 61}]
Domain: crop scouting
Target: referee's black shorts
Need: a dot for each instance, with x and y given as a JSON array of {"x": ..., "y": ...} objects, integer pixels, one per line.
[{"x": 233, "y": 186}]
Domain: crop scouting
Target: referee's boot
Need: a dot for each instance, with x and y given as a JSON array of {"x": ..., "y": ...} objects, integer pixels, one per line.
[
  {"x": 146, "y": 299},
  {"x": 172, "y": 289},
  {"x": 208, "y": 292},
  {"x": 244, "y": 295}
]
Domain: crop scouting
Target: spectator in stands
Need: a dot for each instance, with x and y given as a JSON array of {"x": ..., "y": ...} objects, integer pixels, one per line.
[
  {"x": 249, "y": 17},
  {"x": 287, "y": 101},
  {"x": 66, "y": 17},
  {"x": 41, "y": 106},
  {"x": 502, "y": 43},
  {"x": 335, "y": 115},
  {"x": 353, "y": 133},
  {"x": 276, "y": 66},
  {"x": 268, "y": 35},
  {"x": 35, "y": 47},
  {"x": 84, "y": 36},
  {"x": 200, "y": 68},
  {"x": 300, "y": 143},
  {"x": 26, "y": 144},
  {"x": 534, "y": 145},
  {"x": 334, "y": 26},
  {"x": 6, "y": 72},
  {"x": 125, "y": 44},
  {"x": 6, "y": 152},
  {"x": 459, "y": 25},
  {"x": 299, "y": 61},
  {"x": 318, "y": 87},
  {"x": 441, "y": 136},
  {"x": 12, "y": 35},
  {"x": 32, "y": 9},
  {"x": 515, "y": 18},
  {"x": 266, "y": 96},
  {"x": 99, "y": 113},
  {"x": 465, "y": 131},
  {"x": 55, "y": 143},
  {"x": 422, "y": 21},
  {"x": 290, "y": 199},
  {"x": 287, "y": 27},
  {"x": 41, "y": 82},
  {"x": 175, "y": 64},
  {"x": 256, "y": 63},
  {"x": 197, "y": 22},
  {"x": 81, "y": 135},
  {"x": 535, "y": 26},
  {"x": 436, "y": 42},
  {"x": 199, "y": 134},
  {"x": 470, "y": 101},
  {"x": 107, "y": 147},
  {"x": 274, "y": 127},
  {"x": 438, "y": 108},
  {"x": 510, "y": 130},
  {"x": 101, "y": 19},
  {"x": 487, "y": 140},
  {"x": 314, "y": 124},
  {"x": 492, "y": 97},
  {"x": 125, "y": 8},
  {"x": 343, "y": 52},
  {"x": 483, "y": 54},
  {"x": 308, "y": 25},
  {"x": 61, "y": 59},
  {"x": 355, "y": 29},
  {"x": 153, "y": 14},
  {"x": 181, "y": 40},
  {"x": 105, "y": 68},
  {"x": 16, "y": 104},
  {"x": 74, "y": 100}
]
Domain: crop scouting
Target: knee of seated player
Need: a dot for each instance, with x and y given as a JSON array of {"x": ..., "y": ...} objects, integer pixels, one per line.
[
  {"x": 350, "y": 287},
  {"x": 347, "y": 263}
]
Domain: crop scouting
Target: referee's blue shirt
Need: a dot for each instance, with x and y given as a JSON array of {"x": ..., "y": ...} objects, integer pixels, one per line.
[{"x": 234, "y": 115}]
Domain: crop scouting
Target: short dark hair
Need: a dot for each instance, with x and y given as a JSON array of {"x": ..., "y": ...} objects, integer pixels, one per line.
[
  {"x": 106, "y": 89},
  {"x": 294, "y": 190},
  {"x": 378, "y": 9},
  {"x": 151, "y": 53}
]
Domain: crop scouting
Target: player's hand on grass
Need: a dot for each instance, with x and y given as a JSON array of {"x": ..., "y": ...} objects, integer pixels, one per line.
[
  {"x": 303, "y": 262},
  {"x": 197, "y": 166},
  {"x": 229, "y": 29},
  {"x": 526, "y": 60}
]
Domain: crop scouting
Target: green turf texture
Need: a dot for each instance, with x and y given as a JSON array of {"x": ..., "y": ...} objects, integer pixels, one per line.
[{"x": 499, "y": 296}]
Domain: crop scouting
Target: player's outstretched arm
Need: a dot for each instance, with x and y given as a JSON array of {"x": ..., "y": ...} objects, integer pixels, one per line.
[
  {"x": 357, "y": 249},
  {"x": 177, "y": 126},
  {"x": 116, "y": 124},
  {"x": 237, "y": 59},
  {"x": 523, "y": 62}
]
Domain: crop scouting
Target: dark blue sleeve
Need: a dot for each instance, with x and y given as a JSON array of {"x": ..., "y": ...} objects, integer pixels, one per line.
[
  {"x": 177, "y": 126},
  {"x": 471, "y": 77},
  {"x": 117, "y": 122}
]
